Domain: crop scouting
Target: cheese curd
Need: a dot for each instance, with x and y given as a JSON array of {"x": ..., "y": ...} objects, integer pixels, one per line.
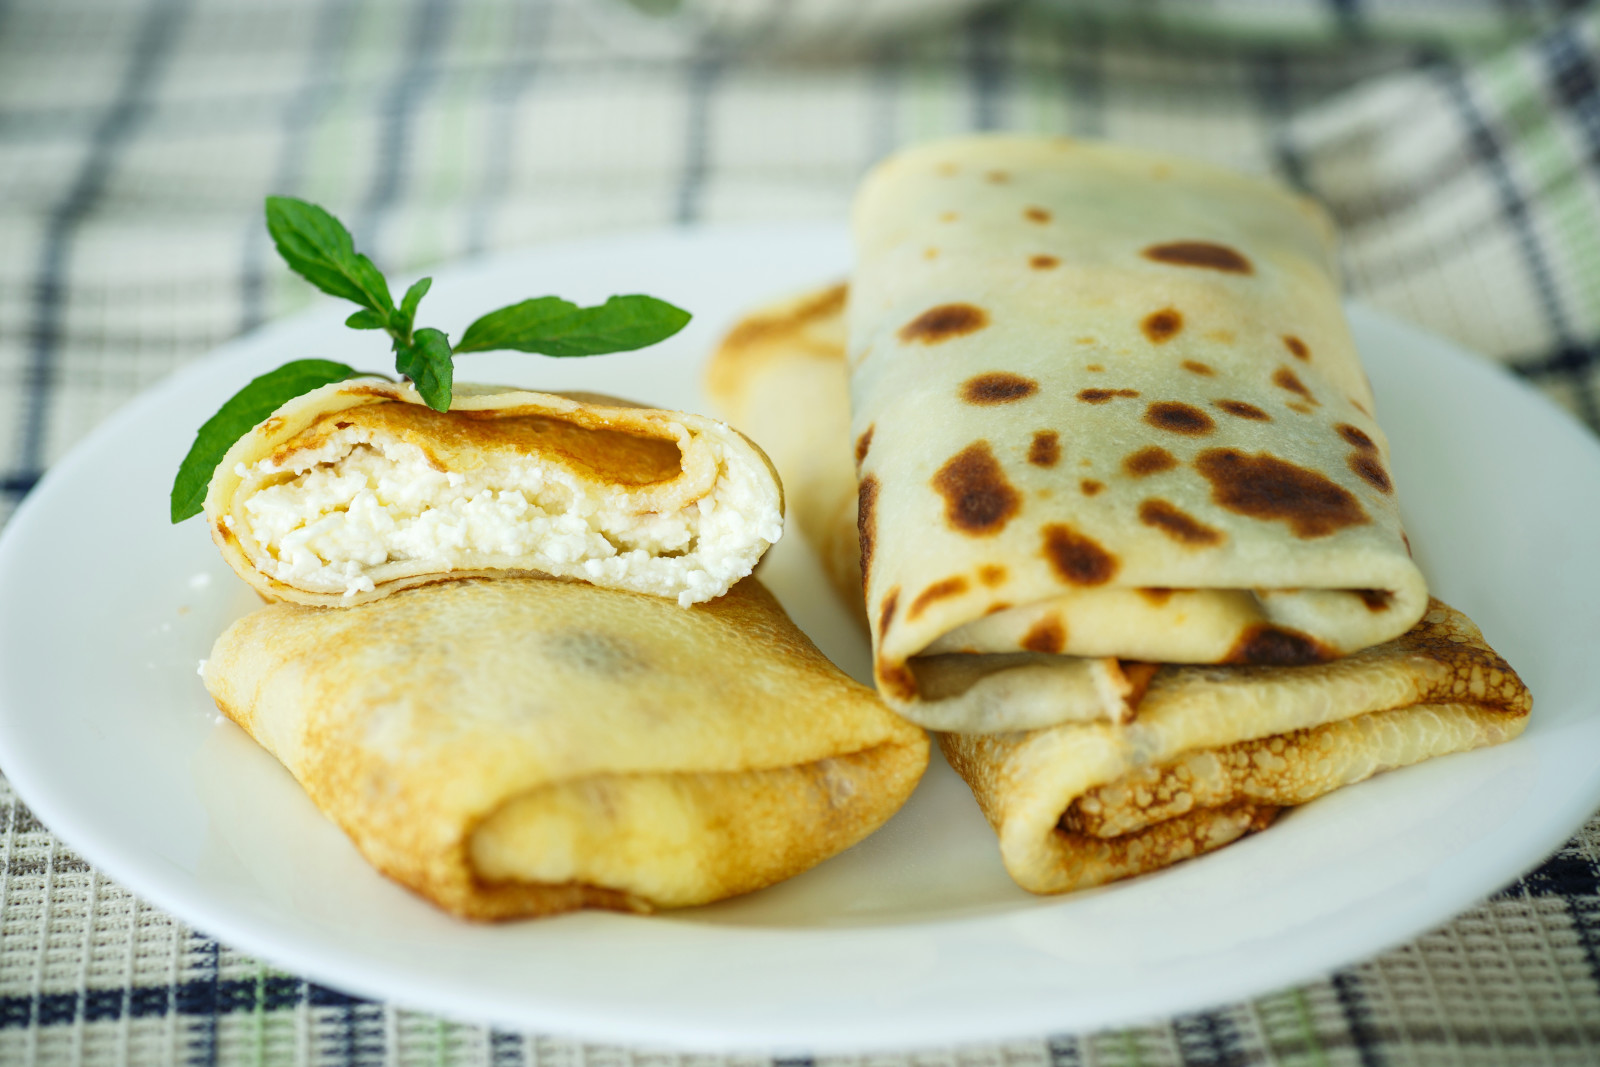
[{"x": 328, "y": 517}]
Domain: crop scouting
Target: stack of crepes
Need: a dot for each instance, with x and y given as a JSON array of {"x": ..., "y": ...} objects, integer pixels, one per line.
[
  {"x": 516, "y": 656},
  {"x": 1094, "y": 442}
]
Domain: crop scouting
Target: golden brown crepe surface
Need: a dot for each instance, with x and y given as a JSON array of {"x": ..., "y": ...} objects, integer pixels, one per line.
[
  {"x": 1111, "y": 409},
  {"x": 524, "y": 747}
]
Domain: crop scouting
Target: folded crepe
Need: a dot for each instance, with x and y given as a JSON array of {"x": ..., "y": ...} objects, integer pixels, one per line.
[
  {"x": 1106, "y": 408},
  {"x": 1214, "y": 753},
  {"x": 525, "y": 747},
  {"x": 1211, "y": 752},
  {"x": 356, "y": 490}
]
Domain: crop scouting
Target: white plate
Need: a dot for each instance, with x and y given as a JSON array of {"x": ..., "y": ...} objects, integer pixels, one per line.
[{"x": 916, "y": 937}]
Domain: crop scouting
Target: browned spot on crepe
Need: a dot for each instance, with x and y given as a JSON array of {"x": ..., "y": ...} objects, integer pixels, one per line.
[
  {"x": 1094, "y": 368},
  {"x": 826, "y": 304},
  {"x": 1047, "y": 635},
  {"x": 948, "y": 216},
  {"x": 1155, "y": 594},
  {"x": 1175, "y": 417},
  {"x": 1162, "y": 326},
  {"x": 1356, "y": 437},
  {"x": 997, "y": 177},
  {"x": 930, "y": 253},
  {"x": 1284, "y": 378},
  {"x": 1375, "y": 599},
  {"x": 1149, "y": 460},
  {"x": 1178, "y": 524},
  {"x": 947, "y": 170},
  {"x": 991, "y": 574},
  {"x": 867, "y": 523},
  {"x": 943, "y": 323},
  {"x": 1045, "y": 451},
  {"x": 1277, "y": 646},
  {"x": 940, "y": 590},
  {"x": 1299, "y": 405},
  {"x": 1360, "y": 407},
  {"x": 1264, "y": 487},
  {"x": 998, "y": 387},
  {"x": 1076, "y": 559},
  {"x": 863, "y": 443},
  {"x": 1194, "y": 366},
  {"x": 1103, "y": 396},
  {"x": 1296, "y": 346},
  {"x": 1240, "y": 410},
  {"x": 997, "y": 607},
  {"x": 1090, "y": 487},
  {"x": 886, "y": 611},
  {"x": 1200, "y": 254},
  {"x": 1043, "y": 262},
  {"x": 897, "y": 680},
  {"x": 1036, "y": 214},
  {"x": 978, "y": 500},
  {"x": 1406, "y": 541},
  {"x": 1371, "y": 471}
]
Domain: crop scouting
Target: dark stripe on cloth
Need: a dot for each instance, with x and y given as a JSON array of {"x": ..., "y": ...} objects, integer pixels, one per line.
[
  {"x": 987, "y": 41},
  {"x": 335, "y": 18},
  {"x": 194, "y": 998},
  {"x": 203, "y": 990},
  {"x": 20, "y": 483},
  {"x": 150, "y": 51},
  {"x": 1486, "y": 145},
  {"x": 1064, "y": 1051},
  {"x": 531, "y": 24},
  {"x": 429, "y": 27},
  {"x": 1209, "y": 1039},
  {"x": 704, "y": 72},
  {"x": 1357, "y": 1017}
]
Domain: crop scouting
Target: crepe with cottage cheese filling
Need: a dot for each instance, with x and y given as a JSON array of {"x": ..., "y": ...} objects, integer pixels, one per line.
[
  {"x": 358, "y": 489},
  {"x": 1107, "y": 408},
  {"x": 1209, "y": 754},
  {"x": 524, "y": 747}
]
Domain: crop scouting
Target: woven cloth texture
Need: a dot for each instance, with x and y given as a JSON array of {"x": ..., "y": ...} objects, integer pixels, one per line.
[{"x": 138, "y": 138}]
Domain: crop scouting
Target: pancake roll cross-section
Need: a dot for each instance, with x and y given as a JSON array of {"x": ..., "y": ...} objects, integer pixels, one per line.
[{"x": 356, "y": 490}]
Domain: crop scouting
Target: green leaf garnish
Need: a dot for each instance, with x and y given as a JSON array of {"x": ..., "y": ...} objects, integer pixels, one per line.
[
  {"x": 408, "y": 304},
  {"x": 243, "y": 412},
  {"x": 554, "y": 327},
  {"x": 318, "y": 248},
  {"x": 426, "y": 361}
]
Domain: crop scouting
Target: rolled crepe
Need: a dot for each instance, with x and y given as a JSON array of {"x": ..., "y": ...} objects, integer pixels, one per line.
[
  {"x": 525, "y": 747},
  {"x": 1210, "y": 752},
  {"x": 356, "y": 490},
  {"x": 1107, "y": 408}
]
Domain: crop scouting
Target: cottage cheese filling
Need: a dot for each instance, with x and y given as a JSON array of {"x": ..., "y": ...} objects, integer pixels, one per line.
[{"x": 332, "y": 516}]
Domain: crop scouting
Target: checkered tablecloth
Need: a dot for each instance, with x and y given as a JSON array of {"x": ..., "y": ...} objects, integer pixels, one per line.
[{"x": 1456, "y": 142}]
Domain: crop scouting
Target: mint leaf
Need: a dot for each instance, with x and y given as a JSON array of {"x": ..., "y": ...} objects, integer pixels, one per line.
[
  {"x": 555, "y": 327},
  {"x": 318, "y": 248},
  {"x": 245, "y": 410},
  {"x": 367, "y": 320},
  {"x": 413, "y": 297},
  {"x": 426, "y": 361}
]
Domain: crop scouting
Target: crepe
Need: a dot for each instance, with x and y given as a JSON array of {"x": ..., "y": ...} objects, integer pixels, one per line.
[
  {"x": 1215, "y": 752},
  {"x": 525, "y": 747},
  {"x": 1107, "y": 409},
  {"x": 356, "y": 490},
  {"x": 779, "y": 376},
  {"x": 1206, "y": 754}
]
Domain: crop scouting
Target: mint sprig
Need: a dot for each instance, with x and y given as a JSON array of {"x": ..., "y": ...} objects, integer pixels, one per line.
[
  {"x": 318, "y": 248},
  {"x": 245, "y": 410}
]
